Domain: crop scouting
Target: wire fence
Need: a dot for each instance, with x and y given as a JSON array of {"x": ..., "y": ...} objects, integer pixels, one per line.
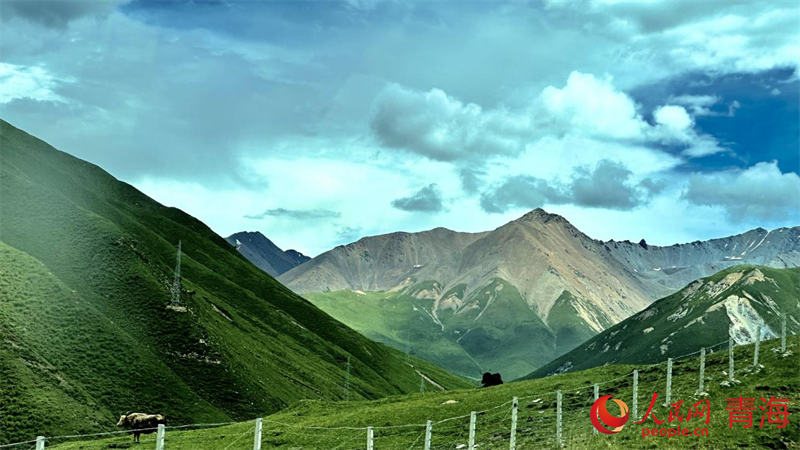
[{"x": 533, "y": 420}]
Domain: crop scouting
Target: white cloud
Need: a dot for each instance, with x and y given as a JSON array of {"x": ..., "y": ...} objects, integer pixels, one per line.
[
  {"x": 703, "y": 145},
  {"x": 674, "y": 124},
  {"x": 701, "y": 105},
  {"x": 438, "y": 126},
  {"x": 28, "y": 82},
  {"x": 760, "y": 192},
  {"x": 674, "y": 118},
  {"x": 659, "y": 39},
  {"x": 739, "y": 42},
  {"x": 588, "y": 106}
]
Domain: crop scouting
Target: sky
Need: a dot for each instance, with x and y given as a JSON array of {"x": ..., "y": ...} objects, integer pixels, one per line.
[{"x": 318, "y": 123}]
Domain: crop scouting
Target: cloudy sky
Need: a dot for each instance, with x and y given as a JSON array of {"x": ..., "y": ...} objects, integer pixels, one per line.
[{"x": 318, "y": 123}]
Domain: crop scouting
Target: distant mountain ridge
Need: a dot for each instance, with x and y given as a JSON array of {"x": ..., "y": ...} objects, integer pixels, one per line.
[
  {"x": 559, "y": 286},
  {"x": 262, "y": 252},
  {"x": 677, "y": 265},
  {"x": 736, "y": 302}
]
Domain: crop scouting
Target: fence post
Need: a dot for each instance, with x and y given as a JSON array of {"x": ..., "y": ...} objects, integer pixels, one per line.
[
  {"x": 558, "y": 419},
  {"x": 370, "y": 445},
  {"x": 472, "y": 419},
  {"x": 428, "y": 435},
  {"x": 758, "y": 343},
  {"x": 669, "y": 381},
  {"x": 783, "y": 333},
  {"x": 702, "y": 369},
  {"x": 257, "y": 437},
  {"x": 39, "y": 442},
  {"x": 635, "y": 408},
  {"x": 513, "y": 439},
  {"x": 160, "y": 437},
  {"x": 730, "y": 358},
  {"x": 596, "y": 396}
]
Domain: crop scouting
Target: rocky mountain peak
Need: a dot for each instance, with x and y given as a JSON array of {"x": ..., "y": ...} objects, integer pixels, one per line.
[
  {"x": 262, "y": 252},
  {"x": 542, "y": 216}
]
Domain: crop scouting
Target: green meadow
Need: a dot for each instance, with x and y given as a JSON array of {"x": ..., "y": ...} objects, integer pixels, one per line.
[{"x": 341, "y": 425}]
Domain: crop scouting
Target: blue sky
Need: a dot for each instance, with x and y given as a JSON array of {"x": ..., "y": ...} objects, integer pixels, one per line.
[{"x": 318, "y": 123}]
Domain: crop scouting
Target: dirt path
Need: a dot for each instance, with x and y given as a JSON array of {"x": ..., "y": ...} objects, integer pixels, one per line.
[{"x": 441, "y": 388}]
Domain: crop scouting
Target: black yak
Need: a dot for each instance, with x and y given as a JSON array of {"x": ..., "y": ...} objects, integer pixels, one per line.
[
  {"x": 141, "y": 423},
  {"x": 491, "y": 379}
]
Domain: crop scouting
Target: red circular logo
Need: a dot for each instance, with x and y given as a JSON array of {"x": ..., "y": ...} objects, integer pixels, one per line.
[{"x": 599, "y": 414}]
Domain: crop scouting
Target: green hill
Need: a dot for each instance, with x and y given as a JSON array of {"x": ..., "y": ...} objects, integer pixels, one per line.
[
  {"x": 509, "y": 337},
  {"x": 86, "y": 266},
  {"x": 740, "y": 298},
  {"x": 401, "y": 321},
  {"x": 320, "y": 425}
]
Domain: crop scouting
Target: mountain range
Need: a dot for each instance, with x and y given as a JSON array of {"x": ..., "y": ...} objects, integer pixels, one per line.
[
  {"x": 89, "y": 329},
  {"x": 514, "y": 298},
  {"x": 735, "y": 302},
  {"x": 264, "y": 254}
]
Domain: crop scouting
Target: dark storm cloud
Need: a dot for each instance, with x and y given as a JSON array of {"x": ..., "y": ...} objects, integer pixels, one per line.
[
  {"x": 296, "y": 214},
  {"x": 55, "y": 14},
  {"x": 427, "y": 199},
  {"x": 522, "y": 191},
  {"x": 608, "y": 185}
]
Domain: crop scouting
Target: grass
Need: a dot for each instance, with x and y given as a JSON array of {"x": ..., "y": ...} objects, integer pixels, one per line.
[
  {"x": 86, "y": 269},
  {"x": 289, "y": 429},
  {"x": 495, "y": 330},
  {"x": 400, "y": 321},
  {"x": 565, "y": 321}
]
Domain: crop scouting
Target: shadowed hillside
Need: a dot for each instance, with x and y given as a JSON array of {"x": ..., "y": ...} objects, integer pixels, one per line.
[
  {"x": 264, "y": 254},
  {"x": 86, "y": 270}
]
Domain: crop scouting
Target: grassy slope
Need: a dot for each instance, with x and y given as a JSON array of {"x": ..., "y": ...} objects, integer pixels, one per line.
[
  {"x": 537, "y": 416},
  {"x": 246, "y": 346},
  {"x": 495, "y": 331},
  {"x": 398, "y": 320},
  {"x": 565, "y": 321},
  {"x": 503, "y": 332},
  {"x": 655, "y": 334}
]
